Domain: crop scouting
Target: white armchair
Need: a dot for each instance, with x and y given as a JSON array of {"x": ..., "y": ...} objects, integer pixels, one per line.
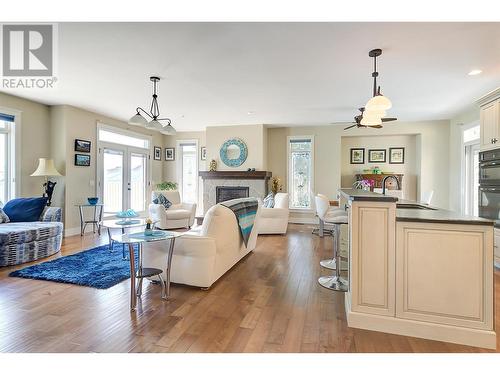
[
  {"x": 203, "y": 254},
  {"x": 275, "y": 220},
  {"x": 178, "y": 215}
]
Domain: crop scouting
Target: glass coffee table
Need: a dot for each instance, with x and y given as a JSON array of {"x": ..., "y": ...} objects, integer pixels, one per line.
[
  {"x": 139, "y": 238},
  {"x": 122, "y": 225}
]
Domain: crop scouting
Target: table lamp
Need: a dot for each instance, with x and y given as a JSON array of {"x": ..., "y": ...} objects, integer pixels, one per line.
[{"x": 46, "y": 169}]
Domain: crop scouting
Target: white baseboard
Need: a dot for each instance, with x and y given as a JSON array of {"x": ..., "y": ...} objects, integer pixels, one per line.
[
  {"x": 302, "y": 220},
  {"x": 425, "y": 330},
  {"x": 71, "y": 231}
]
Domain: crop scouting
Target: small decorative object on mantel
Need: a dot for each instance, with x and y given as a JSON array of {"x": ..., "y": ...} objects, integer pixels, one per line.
[
  {"x": 396, "y": 155},
  {"x": 167, "y": 185},
  {"x": 203, "y": 153},
  {"x": 213, "y": 166},
  {"x": 170, "y": 154},
  {"x": 82, "y": 146},
  {"x": 276, "y": 185},
  {"x": 251, "y": 170},
  {"x": 82, "y": 160},
  {"x": 157, "y": 153},
  {"x": 376, "y": 170},
  {"x": 376, "y": 156},
  {"x": 357, "y": 156}
]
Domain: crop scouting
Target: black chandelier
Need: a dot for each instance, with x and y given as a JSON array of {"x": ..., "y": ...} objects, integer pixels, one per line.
[{"x": 154, "y": 114}]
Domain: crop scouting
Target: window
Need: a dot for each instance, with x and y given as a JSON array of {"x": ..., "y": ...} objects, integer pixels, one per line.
[
  {"x": 187, "y": 170},
  {"x": 122, "y": 139},
  {"x": 471, "y": 170},
  {"x": 7, "y": 158},
  {"x": 300, "y": 171}
]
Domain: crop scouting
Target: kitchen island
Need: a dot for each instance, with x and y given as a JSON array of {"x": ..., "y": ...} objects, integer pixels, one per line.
[{"x": 419, "y": 271}]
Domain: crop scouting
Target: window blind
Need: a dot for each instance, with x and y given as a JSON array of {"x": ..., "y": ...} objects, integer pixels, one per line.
[{"x": 4, "y": 117}]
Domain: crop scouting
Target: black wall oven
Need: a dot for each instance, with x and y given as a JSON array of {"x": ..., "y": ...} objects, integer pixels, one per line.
[{"x": 489, "y": 185}]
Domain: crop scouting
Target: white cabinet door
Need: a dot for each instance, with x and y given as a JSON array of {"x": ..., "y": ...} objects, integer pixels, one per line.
[
  {"x": 490, "y": 123},
  {"x": 444, "y": 274}
]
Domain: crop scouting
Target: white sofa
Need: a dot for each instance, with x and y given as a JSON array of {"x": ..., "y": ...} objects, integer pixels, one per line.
[
  {"x": 179, "y": 214},
  {"x": 275, "y": 220},
  {"x": 203, "y": 254}
]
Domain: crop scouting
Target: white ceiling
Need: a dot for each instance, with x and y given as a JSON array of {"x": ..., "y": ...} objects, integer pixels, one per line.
[{"x": 285, "y": 73}]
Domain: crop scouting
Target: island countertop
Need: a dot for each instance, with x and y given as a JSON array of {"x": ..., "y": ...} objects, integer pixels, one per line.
[
  {"x": 419, "y": 212},
  {"x": 364, "y": 195}
]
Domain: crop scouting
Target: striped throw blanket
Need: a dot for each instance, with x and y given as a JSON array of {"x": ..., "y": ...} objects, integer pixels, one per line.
[{"x": 245, "y": 210}]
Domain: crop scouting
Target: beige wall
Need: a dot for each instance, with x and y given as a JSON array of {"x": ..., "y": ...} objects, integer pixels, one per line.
[
  {"x": 35, "y": 140},
  {"x": 408, "y": 169},
  {"x": 254, "y": 136},
  {"x": 432, "y": 147}
]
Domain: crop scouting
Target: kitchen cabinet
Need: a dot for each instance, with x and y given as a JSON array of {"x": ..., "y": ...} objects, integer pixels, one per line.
[
  {"x": 419, "y": 271},
  {"x": 497, "y": 248},
  {"x": 490, "y": 125}
]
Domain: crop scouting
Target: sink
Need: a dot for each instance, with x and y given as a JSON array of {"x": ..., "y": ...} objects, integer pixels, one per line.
[{"x": 413, "y": 206}]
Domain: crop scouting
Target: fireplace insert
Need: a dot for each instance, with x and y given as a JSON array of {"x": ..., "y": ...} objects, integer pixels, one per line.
[{"x": 225, "y": 193}]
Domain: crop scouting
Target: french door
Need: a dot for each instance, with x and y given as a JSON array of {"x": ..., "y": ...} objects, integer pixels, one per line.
[{"x": 123, "y": 177}]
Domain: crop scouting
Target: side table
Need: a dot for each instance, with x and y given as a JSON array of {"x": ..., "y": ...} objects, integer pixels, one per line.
[{"x": 96, "y": 219}]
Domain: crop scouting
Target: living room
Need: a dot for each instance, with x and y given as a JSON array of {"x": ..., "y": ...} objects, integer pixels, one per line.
[{"x": 249, "y": 187}]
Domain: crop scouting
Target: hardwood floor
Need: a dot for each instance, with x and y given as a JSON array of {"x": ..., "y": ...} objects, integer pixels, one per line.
[{"x": 269, "y": 302}]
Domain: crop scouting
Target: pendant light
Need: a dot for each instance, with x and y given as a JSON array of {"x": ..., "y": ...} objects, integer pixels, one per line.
[
  {"x": 378, "y": 102},
  {"x": 154, "y": 113}
]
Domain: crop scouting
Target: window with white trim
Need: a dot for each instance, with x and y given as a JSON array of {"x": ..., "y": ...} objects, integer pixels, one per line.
[
  {"x": 300, "y": 171},
  {"x": 7, "y": 157}
]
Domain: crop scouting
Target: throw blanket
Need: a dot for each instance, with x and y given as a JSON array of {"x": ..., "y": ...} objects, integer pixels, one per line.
[{"x": 245, "y": 210}]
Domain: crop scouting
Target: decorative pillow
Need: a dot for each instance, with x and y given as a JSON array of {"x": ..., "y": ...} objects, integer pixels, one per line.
[
  {"x": 3, "y": 217},
  {"x": 25, "y": 209},
  {"x": 159, "y": 198},
  {"x": 269, "y": 200}
]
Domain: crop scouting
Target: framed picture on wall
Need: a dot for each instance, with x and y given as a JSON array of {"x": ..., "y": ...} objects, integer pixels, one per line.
[
  {"x": 357, "y": 156},
  {"x": 169, "y": 153},
  {"x": 157, "y": 153},
  {"x": 82, "y": 146},
  {"x": 396, "y": 155},
  {"x": 376, "y": 156},
  {"x": 203, "y": 153},
  {"x": 82, "y": 160}
]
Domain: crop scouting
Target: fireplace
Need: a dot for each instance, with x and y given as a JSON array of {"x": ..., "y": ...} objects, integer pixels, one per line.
[{"x": 225, "y": 193}]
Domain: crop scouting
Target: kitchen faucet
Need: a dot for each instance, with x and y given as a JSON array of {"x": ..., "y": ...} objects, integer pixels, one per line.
[{"x": 386, "y": 178}]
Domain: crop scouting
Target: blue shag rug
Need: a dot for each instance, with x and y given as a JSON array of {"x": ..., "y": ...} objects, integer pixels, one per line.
[{"x": 98, "y": 268}]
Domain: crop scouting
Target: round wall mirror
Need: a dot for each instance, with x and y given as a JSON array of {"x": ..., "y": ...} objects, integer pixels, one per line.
[{"x": 233, "y": 152}]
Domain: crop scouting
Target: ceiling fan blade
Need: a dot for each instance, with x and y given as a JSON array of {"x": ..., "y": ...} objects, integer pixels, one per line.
[
  {"x": 352, "y": 126},
  {"x": 387, "y": 119},
  {"x": 375, "y": 126}
]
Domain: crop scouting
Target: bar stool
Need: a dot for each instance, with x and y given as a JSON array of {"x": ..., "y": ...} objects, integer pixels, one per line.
[
  {"x": 326, "y": 215},
  {"x": 324, "y": 210},
  {"x": 336, "y": 282}
]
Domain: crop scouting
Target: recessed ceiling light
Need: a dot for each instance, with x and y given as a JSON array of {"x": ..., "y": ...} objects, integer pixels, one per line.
[
  {"x": 250, "y": 113},
  {"x": 475, "y": 72}
]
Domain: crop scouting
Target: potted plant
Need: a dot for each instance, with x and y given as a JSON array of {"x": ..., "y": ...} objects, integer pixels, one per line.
[
  {"x": 276, "y": 185},
  {"x": 167, "y": 185}
]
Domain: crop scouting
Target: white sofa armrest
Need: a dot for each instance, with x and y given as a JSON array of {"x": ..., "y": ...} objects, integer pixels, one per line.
[{"x": 191, "y": 207}]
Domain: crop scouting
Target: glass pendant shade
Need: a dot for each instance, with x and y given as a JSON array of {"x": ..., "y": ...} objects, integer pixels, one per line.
[
  {"x": 371, "y": 121},
  {"x": 154, "y": 125},
  {"x": 168, "y": 130},
  {"x": 378, "y": 103},
  {"x": 137, "y": 120},
  {"x": 370, "y": 115}
]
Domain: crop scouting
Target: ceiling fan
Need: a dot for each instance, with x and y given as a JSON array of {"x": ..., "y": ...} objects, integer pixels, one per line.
[
  {"x": 358, "y": 118},
  {"x": 373, "y": 113}
]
